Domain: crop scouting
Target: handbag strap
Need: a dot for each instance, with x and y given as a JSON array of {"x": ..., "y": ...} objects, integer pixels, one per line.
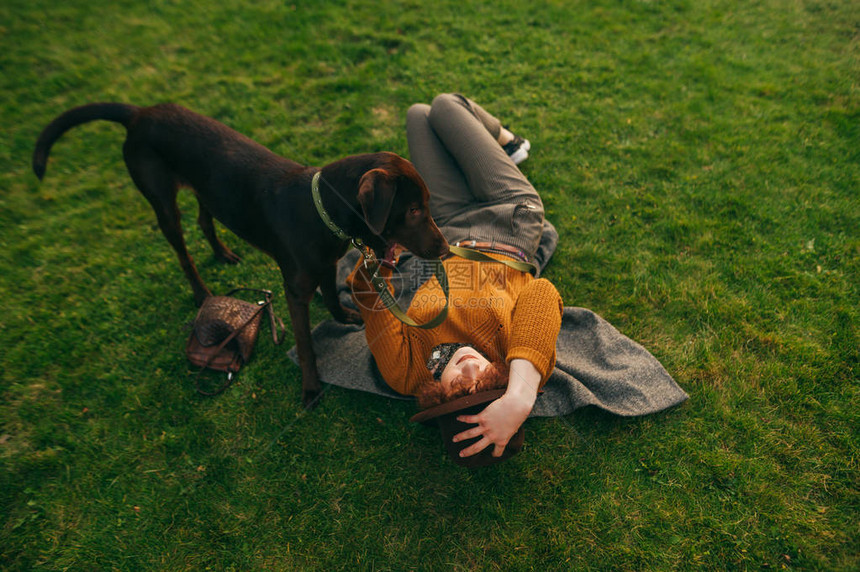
[
  {"x": 264, "y": 305},
  {"x": 221, "y": 346},
  {"x": 274, "y": 321}
]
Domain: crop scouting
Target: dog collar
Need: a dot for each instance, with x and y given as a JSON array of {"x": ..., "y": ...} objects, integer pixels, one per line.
[{"x": 315, "y": 191}]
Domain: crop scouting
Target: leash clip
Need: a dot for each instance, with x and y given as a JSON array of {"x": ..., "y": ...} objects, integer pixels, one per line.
[{"x": 370, "y": 261}]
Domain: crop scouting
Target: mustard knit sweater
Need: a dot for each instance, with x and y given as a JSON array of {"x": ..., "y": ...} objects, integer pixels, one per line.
[{"x": 501, "y": 312}]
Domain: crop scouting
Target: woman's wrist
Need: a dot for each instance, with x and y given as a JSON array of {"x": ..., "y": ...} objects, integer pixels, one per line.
[{"x": 523, "y": 382}]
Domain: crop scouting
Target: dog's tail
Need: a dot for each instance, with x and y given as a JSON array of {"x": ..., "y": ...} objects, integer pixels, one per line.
[{"x": 117, "y": 112}]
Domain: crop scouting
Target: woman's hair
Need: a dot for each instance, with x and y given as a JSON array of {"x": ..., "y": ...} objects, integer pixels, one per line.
[{"x": 494, "y": 376}]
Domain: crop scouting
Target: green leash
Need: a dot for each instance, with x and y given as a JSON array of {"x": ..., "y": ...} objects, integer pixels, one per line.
[
  {"x": 478, "y": 256},
  {"x": 373, "y": 266}
]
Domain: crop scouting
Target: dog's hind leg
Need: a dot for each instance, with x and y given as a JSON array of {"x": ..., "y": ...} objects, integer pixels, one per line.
[
  {"x": 207, "y": 225},
  {"x": 159, "y": 186}
]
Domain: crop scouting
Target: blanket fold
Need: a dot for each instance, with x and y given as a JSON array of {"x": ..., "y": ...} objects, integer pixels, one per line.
[{"x": 595, "y": 365}]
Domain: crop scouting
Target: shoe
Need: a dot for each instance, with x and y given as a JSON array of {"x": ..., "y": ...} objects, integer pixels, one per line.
[{"x": 517, "y": 149}]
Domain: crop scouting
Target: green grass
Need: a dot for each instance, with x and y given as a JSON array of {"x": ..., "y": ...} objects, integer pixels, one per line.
[{"x": 700, "y": 160}]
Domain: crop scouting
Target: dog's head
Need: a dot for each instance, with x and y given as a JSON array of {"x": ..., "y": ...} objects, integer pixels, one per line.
[{"x": 395, "y": 202}]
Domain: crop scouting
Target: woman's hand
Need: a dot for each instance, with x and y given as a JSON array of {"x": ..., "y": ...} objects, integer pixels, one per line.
[{"x": 498, "y": 422}]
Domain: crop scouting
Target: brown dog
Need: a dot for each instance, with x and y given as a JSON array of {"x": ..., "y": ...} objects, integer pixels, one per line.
[{"x": 266, "y": 200}]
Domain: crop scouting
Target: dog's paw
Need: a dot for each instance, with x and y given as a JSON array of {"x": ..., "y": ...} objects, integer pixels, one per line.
[
  {"x": 310, "y": 398},
  {"x": 228, "y": 256}
]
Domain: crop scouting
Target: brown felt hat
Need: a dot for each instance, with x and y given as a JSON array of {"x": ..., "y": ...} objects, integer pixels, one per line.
[{"x": 445, "y": 416}]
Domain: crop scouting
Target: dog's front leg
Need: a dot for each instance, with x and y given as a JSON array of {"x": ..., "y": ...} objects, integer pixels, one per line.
[
  {"x": 328, "y": 287},
  {"x": 300, "y": 317}
]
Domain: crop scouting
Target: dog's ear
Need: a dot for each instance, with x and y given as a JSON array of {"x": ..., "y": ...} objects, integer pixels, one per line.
[{"x": 376, "y": 194}]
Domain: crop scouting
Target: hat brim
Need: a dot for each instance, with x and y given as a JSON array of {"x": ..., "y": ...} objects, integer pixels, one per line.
[
  {"x": 445, "y": 417},
  {"x": 458, "y": 404}
]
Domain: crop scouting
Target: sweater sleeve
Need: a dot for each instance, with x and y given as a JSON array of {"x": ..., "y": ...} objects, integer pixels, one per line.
[
  {"x": 535, "y": 325},
  {"x": 386, "y": 336}
]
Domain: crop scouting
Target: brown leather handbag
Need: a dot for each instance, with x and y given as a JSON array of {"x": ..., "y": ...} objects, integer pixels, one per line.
[{"x": 224, "y": 334}]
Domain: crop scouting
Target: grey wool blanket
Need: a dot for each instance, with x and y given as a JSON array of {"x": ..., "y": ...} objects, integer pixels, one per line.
[{"x": 595, "y": 364}]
